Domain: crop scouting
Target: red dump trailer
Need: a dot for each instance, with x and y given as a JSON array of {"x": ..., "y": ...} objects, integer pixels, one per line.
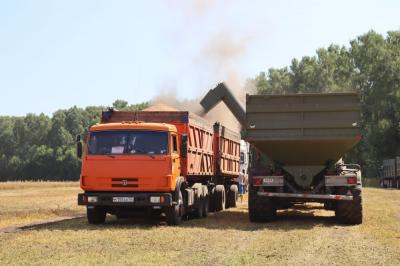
[{"x": 166, "y": 161}]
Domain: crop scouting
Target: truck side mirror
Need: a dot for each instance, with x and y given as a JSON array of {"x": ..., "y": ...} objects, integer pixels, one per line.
[
  {"x": 78, "y": 146},
  {"x": 184, "y": 140}
]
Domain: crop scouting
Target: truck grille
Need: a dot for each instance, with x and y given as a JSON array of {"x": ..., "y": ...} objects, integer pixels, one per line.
[{"x": 124, "y": 182}]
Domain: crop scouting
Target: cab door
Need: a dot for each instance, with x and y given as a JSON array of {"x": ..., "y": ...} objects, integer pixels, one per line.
[{"x": 175, "y": 157}]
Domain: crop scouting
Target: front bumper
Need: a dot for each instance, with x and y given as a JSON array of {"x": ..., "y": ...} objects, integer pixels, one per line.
[{"x": 139, "y": 199}]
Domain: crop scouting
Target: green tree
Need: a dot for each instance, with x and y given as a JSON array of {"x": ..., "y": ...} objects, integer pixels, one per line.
[
  {"x": 120, "y": 104},
  {"x": 37, "y": 147}
]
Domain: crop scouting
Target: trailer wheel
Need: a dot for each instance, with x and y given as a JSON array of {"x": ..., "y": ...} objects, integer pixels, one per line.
[
  {"x": 350, "y": 212},
  {"x": 219, "y": 198},
  {"x": 226, "y": 197},
  {"x": 206, "y": 201},
  {"x": 233, "y": 196},
  {"x": 198, "y": 212},
  {"x": 206, "y": 206},
  {"x": 198, "y": 200},
  {"x": 212, "y": 200},
  {"x": 95, "y": 214},
  {"x": 261, "y": 209}
]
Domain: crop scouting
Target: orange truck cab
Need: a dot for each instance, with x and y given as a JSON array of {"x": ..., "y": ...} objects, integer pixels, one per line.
[{"x": 132, "y": 164}]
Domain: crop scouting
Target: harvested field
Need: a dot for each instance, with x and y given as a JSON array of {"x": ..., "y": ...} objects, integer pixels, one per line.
[
  {"x": 28, "y": 202},
  {"x": 302, "y": 236}
]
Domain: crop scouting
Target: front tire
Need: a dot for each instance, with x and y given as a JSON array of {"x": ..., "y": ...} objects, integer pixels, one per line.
[
  {"x": 174, "y": 213},
  {"x": 95, "y": 214}
]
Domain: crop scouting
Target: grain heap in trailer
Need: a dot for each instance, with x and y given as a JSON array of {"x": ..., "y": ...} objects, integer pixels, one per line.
[
  {"x": 304, "y": 137},
  {"x": 171, "y": 162}
]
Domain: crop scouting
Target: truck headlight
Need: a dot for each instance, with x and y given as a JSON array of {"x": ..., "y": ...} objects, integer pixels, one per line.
[
  {"x": 92, "y": 199},
  {"x": 155, "y": 199}
]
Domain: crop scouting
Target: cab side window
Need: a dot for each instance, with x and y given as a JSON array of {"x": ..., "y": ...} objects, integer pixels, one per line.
[{"x": 174, "y": 144}]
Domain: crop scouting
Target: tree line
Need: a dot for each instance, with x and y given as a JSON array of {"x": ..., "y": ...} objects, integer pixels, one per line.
[
  {"x": 370, "y": 65},
  {"x": 41, "y": 147},
  {"x": 37, "y": 147}
]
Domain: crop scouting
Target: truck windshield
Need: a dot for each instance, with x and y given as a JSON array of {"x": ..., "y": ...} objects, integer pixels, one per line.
[{"x": 128, "y": 142}]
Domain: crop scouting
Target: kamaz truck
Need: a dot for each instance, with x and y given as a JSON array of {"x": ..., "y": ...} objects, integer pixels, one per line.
[
  {"x": 297, "y": 141},
  {"x": 166, "y": 162}
]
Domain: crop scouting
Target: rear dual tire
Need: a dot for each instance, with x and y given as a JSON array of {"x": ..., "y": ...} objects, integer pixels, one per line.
[
  {"x": 232, "y": 196},
  {"x": 202, "y": 210},
  {"x": 198, "y": 212},
  {"x": 206, "y": 206},
  {"x": 219, "y": 198}
]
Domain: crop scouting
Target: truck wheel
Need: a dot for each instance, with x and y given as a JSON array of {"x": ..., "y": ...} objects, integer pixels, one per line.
[
  {"x": 174, "y": 213},
  {"x": 212, "y": 200},
  {"x": 198, "y": 212},
  {"x": 198, "y": 200},
  {"x": 206, "y": 205},
  {"x": 95, "y": 214},
  {"x": 232, "y": 196},
  {"x": 261, "y": 209},
  {"x": 219, "y": 198},
  {"x": 350, "y": 212},
  {"x": 227, "y": 198}
]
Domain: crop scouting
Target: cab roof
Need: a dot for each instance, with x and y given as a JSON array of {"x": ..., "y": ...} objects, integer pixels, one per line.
[{"x": 130, "y": 125}]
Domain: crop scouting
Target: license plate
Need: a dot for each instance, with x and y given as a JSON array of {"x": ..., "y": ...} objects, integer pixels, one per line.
[
  {"x": 123, "y": 199},
  {"x": 268, "y": 180}
]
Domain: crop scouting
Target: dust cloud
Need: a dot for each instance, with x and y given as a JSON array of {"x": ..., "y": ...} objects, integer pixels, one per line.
[{"x": 217, "y": 58}]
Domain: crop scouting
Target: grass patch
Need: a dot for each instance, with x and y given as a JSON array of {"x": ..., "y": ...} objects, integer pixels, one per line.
[
  {"x": 27, "y": 202},
  {"x": 9, "y": 185}
]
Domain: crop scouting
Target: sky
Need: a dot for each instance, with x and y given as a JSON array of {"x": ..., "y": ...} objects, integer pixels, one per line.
[{"x": 59, "y": 54}]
